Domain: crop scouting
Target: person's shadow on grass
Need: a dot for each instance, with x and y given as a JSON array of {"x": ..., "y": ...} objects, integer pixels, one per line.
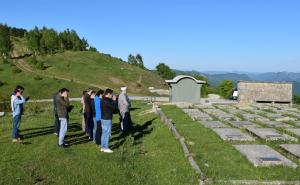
[
  {"x": 42, "y": 131},
  {"x": 138, "y": 132}
]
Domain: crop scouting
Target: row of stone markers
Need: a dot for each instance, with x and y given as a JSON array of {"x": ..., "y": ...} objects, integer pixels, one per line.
[{"x": 233, "y": 123}]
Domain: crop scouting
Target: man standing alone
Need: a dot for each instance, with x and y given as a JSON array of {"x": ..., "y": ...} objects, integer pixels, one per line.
[
  {"x": 62, "y": 111},
  {"x": 124, "y": 106}
]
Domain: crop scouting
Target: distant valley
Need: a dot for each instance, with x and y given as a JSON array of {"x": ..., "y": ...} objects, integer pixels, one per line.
[{"x": 215, "y": 77}]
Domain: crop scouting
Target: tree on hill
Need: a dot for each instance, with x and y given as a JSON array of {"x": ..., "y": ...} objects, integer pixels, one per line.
[
  {"x": 5, "y": 42},
  {"x": 139, "y": 60},
  {"x": 165, "y": 71},
  {"x": 136, "y": 60},
  {"x": 17, "y": 32},
  {"x": 225, "y": 88},
  {"x": 33, "y": 40},
  {"x": 49, "y": 41},
  {"x": 131, "y": 60},
  {"x": 91, "y": 48}
]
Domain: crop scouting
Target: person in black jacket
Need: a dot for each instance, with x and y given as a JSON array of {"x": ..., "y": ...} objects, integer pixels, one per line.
[
  {"x": 56, "y": 119},
  {"x": 108, "y": 106},
  {"x": 88, "y": 114}
]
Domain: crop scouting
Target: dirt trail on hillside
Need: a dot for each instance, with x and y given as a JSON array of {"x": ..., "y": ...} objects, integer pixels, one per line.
[{"x": 24, "y": 66}]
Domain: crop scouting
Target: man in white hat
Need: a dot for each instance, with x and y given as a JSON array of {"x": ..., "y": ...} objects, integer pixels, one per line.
[{"x": 124, "y": 107}]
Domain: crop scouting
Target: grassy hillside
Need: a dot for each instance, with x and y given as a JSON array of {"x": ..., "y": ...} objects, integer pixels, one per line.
[
  {"x": 102, "y": 70},
  {"x": 74, "y": 70},
  {"x": 35, "y": 86}
]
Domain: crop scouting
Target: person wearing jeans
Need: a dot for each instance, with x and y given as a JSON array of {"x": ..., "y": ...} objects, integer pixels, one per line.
[
  {"x": 106, "y": 131},
  {"x": 62, "y": 131},
  {"x": 98, "y": 126},
  {"x": 62, "y": 111},
  {"x": 108, "y": 106},
  {"x": 17, "y": 101}
]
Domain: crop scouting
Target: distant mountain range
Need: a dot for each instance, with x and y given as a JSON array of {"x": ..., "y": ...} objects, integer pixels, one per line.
[{"x": 215, "y": 77}]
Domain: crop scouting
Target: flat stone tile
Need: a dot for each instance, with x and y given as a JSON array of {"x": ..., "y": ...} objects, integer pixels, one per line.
[
  {"x": 213, "y": 124},
  {"x": 197, "y": 115},
  {"x": 263, "y": 155},
  {"x": 270, "y": 134},
  {"x": 294, "y": 149},
  {"x": 254, "y": 117},
  {"x": 232, "y": 134},
  {"x": 297, "y": 123},
  {"x": 243, "y": 124},
  {"x": 296, "y": 131},
  {"x": 276, "y": 124}
]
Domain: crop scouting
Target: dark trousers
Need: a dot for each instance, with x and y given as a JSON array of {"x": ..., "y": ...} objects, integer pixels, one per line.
[
  {"x": 56, "y": 124},
  {"x": 126, "y": 122},
  {"x": 98, "y": 133},
  {"x": 89, "y": 124}
]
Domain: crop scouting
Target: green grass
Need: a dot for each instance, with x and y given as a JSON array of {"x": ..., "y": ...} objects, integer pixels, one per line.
[
  {"x": 219, "y": 159},
  {"x": 37, "y": 89},
  {"x": 150, "y": 156},
  {"x": 101, "y": 69}
]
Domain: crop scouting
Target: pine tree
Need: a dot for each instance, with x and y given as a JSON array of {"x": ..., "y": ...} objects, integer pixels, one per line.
[
  {"x": 33, "y": 40},
  {"x": 5, "y": 42}
]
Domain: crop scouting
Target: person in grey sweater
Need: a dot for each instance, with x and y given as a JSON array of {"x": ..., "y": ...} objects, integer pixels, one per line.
[{"x": 124, "y": 105}]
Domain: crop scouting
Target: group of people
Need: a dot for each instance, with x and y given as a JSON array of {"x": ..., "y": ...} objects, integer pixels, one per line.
[{"x": 97, "y": 114}]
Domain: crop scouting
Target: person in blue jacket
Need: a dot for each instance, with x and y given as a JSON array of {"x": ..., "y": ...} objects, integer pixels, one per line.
[
  {"x": 17, "y": 101},
  {"x": 97, "y": 128}
]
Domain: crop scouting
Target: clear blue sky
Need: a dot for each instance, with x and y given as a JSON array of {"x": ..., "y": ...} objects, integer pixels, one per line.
[{"x": 214, "y": 35}]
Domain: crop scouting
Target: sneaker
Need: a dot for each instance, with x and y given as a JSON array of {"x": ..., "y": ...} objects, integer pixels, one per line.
[
  {"x": 19, "y": 140},
  {"x": 15, "y": 141},
  {"x": 64, "y": 145},
  {"x": 107, "y": 150},
  {"x": 55, "y": 133}
]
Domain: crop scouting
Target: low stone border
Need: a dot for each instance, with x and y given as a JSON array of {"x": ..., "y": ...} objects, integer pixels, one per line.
[{"x": 186, "y": 151}]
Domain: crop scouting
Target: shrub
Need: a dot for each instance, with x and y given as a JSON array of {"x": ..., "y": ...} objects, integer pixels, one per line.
[
  {"x": 38, "y": 78},
  {"x": 33, "y": 60},
  {"x": 4, "y": 61},
  {"x": 296, "y": 99},
  {"x": 16, "y": 70},
  {"x": 40, "y": 65},
  {"x": 225, "y": 88}
]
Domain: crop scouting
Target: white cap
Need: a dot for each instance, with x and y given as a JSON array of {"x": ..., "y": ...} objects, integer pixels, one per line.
[{"x": 123, "y": 88}]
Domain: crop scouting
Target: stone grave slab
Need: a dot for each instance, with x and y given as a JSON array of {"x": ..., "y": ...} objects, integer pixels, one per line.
[
  {"x": 263, "y": 155},
  {"x": 255, "y": 117},
  {"x": 294, "y": 149},
  {"x": 276, "y": 124},
  {"x": 270, "y": 134},
  {"x": 197, "y": 115},
  {"x": 232, "y": 134},
  {"x": 296, "y": 131},
  {"x": 213, "y": 124},
  {"x": 297, "y": 123},
  {"x": 243, "y": 124}
]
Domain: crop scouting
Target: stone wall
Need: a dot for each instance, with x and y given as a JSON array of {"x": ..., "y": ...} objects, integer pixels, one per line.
[{"x": 262, "y": 92}]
